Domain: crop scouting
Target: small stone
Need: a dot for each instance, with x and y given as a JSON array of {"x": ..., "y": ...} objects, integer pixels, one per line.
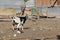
[
  {"x": 27, "y": 39},
  {"x": 0, "y": 38},
  {"x": 41, "y": 29},
  {"x": 9, "y": 35},
  {"x": 34, "y": 29},
  {"x": 4, "y": 38},
  {"x": 2, "y": 32},
  {"x": 14, "y": 35},
  {"x": 18, "y": 32},
  {"x": 34, "y": 22}
]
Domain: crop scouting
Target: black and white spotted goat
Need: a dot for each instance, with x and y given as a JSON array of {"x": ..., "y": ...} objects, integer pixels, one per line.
[{"x": 18, "y": 24}]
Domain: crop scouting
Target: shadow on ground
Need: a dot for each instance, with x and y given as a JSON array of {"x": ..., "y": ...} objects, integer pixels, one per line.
[{"x": 58, "y": 37}]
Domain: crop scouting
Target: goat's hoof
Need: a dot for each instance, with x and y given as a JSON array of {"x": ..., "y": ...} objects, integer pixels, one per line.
[
  {"x": 18, "y": 32},
  {"x": 14, "y": 35}
]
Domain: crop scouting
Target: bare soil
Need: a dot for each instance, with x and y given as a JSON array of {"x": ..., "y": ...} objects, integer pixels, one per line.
[{"x": 42, "y": 29}]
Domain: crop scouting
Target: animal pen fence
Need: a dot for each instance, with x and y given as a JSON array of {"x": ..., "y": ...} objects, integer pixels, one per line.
[
  {"x": 49, "y": 8},
  {"x": 46, "y": 11}
]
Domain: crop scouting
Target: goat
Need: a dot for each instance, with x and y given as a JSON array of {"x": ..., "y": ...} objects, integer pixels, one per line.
[{"x": 18, "y": 23}]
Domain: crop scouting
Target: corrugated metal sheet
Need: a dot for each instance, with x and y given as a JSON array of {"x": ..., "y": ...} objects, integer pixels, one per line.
[{"x": 55, "y": 11}]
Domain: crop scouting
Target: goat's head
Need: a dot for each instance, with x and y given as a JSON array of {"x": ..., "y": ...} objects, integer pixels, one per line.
[{"x": 13, "y": 17}]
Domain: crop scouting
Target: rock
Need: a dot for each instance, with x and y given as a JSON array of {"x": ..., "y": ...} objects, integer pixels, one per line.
[
  {"x": 27, "y": 39},
  {"x": 9, "y": 35},
  {"x": 2, "y": 32},
  {"x": 34, "y": 29},
  {"x": 14, "y": 35}
]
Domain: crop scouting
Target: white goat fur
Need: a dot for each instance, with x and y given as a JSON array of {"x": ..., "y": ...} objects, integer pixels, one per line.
[{"x": 17, "y": 20}]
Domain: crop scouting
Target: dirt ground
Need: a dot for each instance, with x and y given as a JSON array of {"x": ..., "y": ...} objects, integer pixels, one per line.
[{"x": 42, "y": 29}]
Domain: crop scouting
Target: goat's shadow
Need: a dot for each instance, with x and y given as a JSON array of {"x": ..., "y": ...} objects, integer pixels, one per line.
[
  {"x": 26, "y": 28},
  {"x": 58, "y": 37},
  {"x": 36, "y": 39}
]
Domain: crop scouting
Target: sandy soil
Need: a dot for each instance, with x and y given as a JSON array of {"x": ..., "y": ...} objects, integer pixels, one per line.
[{"x": 42, "y": 29}]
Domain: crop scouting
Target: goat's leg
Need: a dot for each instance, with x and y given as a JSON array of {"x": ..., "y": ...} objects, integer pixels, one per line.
[
  {"x": 18, "y": 31},
  {"x": 21, "y": 25},
  {"x": 20, "y": 28},
  {"x": 12, "y": 28}
]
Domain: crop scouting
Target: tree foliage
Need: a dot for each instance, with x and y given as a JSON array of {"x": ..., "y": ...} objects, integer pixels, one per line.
[{"x": 25, "y": 0}]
